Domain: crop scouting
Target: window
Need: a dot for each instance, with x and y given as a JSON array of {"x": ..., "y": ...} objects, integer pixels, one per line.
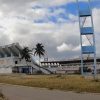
[{"x": 16, "y": 62}]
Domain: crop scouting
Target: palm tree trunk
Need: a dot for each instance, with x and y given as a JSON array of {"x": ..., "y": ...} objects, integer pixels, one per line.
[
  {"x": 28, "y": 67},
  {"x": 39, "y": 63}
]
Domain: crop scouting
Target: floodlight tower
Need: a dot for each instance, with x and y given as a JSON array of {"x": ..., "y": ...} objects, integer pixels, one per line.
[{"x": 87, "y": 36}]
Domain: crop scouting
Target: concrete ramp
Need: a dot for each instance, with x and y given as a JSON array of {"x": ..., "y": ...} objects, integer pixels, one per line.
[{"x": 37, "y": 67}]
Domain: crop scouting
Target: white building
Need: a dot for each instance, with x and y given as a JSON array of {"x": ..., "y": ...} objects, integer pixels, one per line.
[
  {"x": 71, "y": 66},
  {"x": 10, "y": 61},
  {"x": 9, "y": 55}
]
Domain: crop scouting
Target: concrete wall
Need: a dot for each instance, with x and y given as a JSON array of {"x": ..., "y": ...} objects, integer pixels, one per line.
[
  {"x": 6, "y": 65},
  {"x": 6, "y": 62},
  {"x": 5, "y": 70}
]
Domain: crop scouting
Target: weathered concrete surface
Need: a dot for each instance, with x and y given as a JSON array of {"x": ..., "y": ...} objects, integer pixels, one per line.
[{"x": 29, "y": 93}]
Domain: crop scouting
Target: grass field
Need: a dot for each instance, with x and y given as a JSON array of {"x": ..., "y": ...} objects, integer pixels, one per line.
[{"x": 65, "y": 82}]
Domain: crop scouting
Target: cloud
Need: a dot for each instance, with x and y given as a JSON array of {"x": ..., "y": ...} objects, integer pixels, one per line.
[
  {"x": 55, "y": 2},
  {"x": 96, "y": 20},
  {"x": 64, "y": 47},
  {"x": 73, "y": 17},
  {"x": 61, "y": 38}
]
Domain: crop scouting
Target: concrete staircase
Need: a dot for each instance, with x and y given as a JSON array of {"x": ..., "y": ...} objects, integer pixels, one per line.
[{"x": 38, "y": 67}]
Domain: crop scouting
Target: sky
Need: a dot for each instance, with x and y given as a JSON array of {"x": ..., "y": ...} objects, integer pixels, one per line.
[{"x": 54, "y": 23}]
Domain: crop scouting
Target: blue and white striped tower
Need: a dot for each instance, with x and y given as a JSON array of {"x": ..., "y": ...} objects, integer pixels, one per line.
[{"x": 87, "y": 36}]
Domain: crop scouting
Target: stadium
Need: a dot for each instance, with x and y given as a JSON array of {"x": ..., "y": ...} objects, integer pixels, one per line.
[
  {"x": 11, "y": 62},
  {"x": 70, "y": 66}
]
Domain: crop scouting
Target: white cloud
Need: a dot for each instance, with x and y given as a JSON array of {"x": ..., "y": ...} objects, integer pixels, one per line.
[
  {"x": 1, "y": 14},
  {"x": 64, "y": 47},
  {"x": 55, "y": 2},
  {"x": 57, "y": 38},
  {"x": 77, "y": 48},
  {"x": 73, "y": 17}
]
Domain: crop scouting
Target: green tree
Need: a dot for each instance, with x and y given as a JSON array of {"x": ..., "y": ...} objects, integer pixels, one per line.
[
  {"x": 39, "y": 50},
  {"x": 25, "y": 54}
]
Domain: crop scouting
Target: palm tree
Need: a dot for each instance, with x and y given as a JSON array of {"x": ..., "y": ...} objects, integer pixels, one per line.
[
  {"x": 39, "y": 50},
  {"x": 25, "y": 54}
]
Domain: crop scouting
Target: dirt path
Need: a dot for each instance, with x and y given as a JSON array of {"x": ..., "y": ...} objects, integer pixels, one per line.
[{"x": 29, "y": 93}]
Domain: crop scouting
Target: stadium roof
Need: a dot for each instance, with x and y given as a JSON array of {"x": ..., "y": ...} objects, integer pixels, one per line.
[
  {"x": 10, "y": 50},
  {"x": 71, "y": 61}
]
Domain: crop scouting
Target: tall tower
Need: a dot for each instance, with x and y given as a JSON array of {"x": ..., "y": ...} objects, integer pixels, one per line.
[{"x": 87, "y": 36}]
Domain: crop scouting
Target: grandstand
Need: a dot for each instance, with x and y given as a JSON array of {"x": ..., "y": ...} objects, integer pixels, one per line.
[
  {"x": 70, "y": 66},
  {"x": 10, "y": 61}
]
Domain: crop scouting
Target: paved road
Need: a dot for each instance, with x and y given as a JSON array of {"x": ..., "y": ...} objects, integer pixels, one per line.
[{"x": 29, "y": 93}]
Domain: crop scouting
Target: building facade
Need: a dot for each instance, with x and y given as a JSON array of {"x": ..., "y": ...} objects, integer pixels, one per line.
[
  {"x": 71, "y": 66},
  {"x": 11, "y": 62},
  {"x": 10, "y": 59}
]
